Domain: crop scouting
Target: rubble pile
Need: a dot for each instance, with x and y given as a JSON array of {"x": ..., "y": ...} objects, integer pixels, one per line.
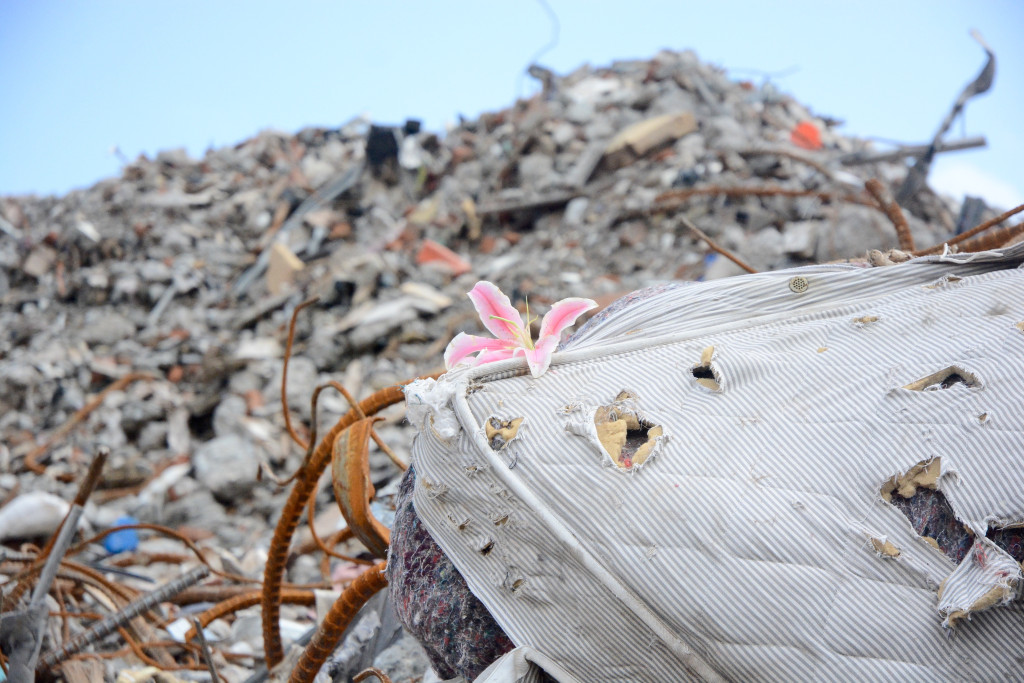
[{"x": 177, "y": 281}]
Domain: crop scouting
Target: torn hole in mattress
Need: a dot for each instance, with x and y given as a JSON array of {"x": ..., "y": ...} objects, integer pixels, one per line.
[
  {"x": 705, "y": 372},
  {"x": 987, "y": 577},
  {"x": 514, "y": 579},
  {"x": 628, "y": 437},
  {"x": 924, "y": 474},
  {"x": 884, "y": 547},
  {"x": 619, "y": 430},
  {"x": 944, "y": 281},
  {"x": 460, "y": 522},
  {"x": 500, "y": 432},
  {"x": 945, "y": 379},
  {"x": 474, "y": 468},
  {"x": 434, "y": 489},
  {"x": 988, "y": 569},
  {"x": 1009, "y": 538},
  {"x": 933, "y": 519},
  {"x": 500, "y": 491},
  {"x": 916, "y": 494}
]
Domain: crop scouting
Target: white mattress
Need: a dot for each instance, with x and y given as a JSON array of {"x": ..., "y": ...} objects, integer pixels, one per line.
[{"x": 747, "y": 547}]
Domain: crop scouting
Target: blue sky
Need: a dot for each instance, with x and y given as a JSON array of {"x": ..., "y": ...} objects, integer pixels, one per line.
[{"x": 79, "y": 78}]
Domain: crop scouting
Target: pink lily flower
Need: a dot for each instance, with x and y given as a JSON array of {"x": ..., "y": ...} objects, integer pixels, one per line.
[{"x": 513, "y": 336}]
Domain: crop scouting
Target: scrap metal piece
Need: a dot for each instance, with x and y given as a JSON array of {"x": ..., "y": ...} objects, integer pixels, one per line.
[{"x": 918, "y": 174}]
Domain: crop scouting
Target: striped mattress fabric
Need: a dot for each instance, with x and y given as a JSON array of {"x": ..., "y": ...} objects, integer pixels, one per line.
[{"x": 745, "y": 521}]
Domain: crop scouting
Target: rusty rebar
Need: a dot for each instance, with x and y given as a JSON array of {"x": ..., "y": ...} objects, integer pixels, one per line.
[
  {"x": 992, "y": 239},
  {"x": 45, "y": 561},
  {"x": 68, "y": 571},
  {"x": 215, "y": 594},
  {"x": 674, "y": 198},
  {"x": 289, "y": 596},
  {"x": 322, "y": 545},
  {"x": 893, "y": 211},
  {"x": 166, "y": 531},
  {"x": 85, "y": 489},
  {"x": 714, "y": 246},
  {"x": 83, "y": 412},
  {"x": 353, "y": 489},
  {"x": 371, "y": 671},
  {"x": 381, "y": 444},
  {"x": 336, "y": 621},
  {"x": 981, "y": 227},
  {"x": 311, "y": 503},
  {"x": 284, "y": 373},
  {"x": 142, "y": 604},
  {"x": 304, "y": 486}
]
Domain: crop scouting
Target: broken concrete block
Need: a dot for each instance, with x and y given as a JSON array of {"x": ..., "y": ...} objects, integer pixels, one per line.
[
  {"x": 427, "y": 293},
  {"x": 647, "y": 135},
  {"x": 800, "y": 238},
  {"x": 576, "y": 211},
  {"x": 40, "y": 260},
  {"x": 425, "y": 211},
  {"x": 323, "y": 218},
  {"x": 32, "y": 514},
  {"x": 473, "y": 223},
  {"x": 537, "y": 170},
  {"x": 283, "y": 267}
]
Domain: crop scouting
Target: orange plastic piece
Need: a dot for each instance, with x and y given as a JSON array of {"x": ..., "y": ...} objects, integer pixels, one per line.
[{"x": 806, "y": 135}]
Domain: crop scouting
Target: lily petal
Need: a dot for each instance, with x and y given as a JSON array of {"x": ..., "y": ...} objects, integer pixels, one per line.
[
  {"x": 495, "y": 355},
  {"x": 465, "y": 344},
  {"x": 539, "y": 357},
  {"x": 496, "y": 312},
  {"x": 563, "y": 314}
]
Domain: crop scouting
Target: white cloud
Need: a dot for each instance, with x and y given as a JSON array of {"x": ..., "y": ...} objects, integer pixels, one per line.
[{"x": 959, "y": 178}]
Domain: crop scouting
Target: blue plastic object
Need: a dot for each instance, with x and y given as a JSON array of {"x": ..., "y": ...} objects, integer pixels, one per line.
[{"x": 123, "y": 540}]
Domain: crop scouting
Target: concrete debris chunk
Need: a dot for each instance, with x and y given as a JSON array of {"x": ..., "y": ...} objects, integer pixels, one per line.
[
  {"x": 39, "y": 262},
  {"x": 647, "y": 135},
  {"x": 283, "y": 267}
]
